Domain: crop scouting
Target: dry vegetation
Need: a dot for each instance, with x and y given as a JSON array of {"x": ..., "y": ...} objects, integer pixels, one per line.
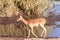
[
  {"x": 35, "y": 6},
  {"x": 10, "y": 7}
]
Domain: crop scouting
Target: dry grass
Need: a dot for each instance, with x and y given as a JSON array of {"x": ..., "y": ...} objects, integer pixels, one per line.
[{"x": 10, "y": 7}]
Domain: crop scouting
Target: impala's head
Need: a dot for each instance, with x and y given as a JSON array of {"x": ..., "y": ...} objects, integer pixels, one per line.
[{"x": 20, "y": 18}]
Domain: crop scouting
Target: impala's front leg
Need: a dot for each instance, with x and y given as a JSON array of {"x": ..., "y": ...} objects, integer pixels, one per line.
[
  {"x": 33, "y": 33},
  {"x": 28, "y": 34}
]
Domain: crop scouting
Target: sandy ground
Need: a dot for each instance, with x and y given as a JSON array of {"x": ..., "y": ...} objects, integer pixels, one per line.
[{"x": 11, "y": 38}]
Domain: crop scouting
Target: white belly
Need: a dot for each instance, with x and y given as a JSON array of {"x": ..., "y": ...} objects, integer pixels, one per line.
[
  {"x": 37, "y": 24},
  {"x": 33, "y": 25}
]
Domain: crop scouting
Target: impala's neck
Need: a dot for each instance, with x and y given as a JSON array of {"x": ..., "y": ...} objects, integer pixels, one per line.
[{"x": 24, "y": 21}]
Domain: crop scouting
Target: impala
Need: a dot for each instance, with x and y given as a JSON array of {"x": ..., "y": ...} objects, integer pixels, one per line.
[{"x": 34, "y": 23}]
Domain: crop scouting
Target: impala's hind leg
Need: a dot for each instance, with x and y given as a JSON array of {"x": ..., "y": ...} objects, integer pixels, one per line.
[
  {"x": 44, "y": 30},
  {"x": 42, "y": 33},
  {"x": 33, "y": 33}
]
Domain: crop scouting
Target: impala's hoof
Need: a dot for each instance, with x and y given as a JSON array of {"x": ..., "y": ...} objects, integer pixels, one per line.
[
  {"x": 44, "y": 37},
  {"x": 41, "y": 36}
]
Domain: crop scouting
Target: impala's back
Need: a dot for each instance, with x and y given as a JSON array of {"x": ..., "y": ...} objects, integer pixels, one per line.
[{"x": 36, "y": 21}]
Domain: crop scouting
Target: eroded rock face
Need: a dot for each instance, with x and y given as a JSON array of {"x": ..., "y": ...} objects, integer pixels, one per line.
[
  {"x": 56, "y": 18},
  {"x": 52, "y": 19}
]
